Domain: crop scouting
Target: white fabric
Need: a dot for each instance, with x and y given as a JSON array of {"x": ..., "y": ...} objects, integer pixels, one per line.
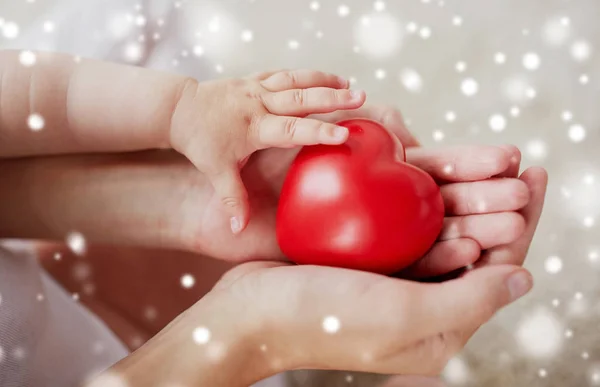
[{"x": 46, "y": 338}]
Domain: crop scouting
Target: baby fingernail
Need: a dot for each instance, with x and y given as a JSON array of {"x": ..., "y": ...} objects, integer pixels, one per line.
[
  {"x": 519, "y": 284},
  {"x": 236, "y": 225},
  {"x": 343, "y": 82},
  {"x": 356, "y": 95},
  {"x": 340, "y": 133}
]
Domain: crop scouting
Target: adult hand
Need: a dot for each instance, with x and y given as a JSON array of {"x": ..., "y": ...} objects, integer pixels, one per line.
[{"x": 264, "y": 318}]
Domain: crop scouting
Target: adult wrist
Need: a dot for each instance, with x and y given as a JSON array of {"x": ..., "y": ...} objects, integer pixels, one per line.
[{"x": 214, "y": 343}]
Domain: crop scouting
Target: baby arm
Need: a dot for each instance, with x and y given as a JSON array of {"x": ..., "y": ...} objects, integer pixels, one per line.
[{"x": 83, "y": 105}]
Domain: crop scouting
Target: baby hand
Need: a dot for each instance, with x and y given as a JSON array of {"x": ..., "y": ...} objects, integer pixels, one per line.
[{"x": 217, "y": 125}]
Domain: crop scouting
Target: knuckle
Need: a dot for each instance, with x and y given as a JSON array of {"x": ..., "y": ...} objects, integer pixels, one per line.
[
  {"x": 520, "y": 193},
  {"x": 469, "y": 203},
  {"x": 237, "y": 83},
  {"x": 517, "y": 225},
  {"x": 291, "y": 78},
  {"x": 290, "y": 127},
  {"x": 337, "y": 96},
  {"x": 299, "y": 97},
  {"x": 514, "y": 151},
  {"x": 255, "y": 122},
  {"x": 231, "y": 201},
  {"x": 462, "y": 226},
  {"x": 450, "y": 170},
  {"x": 321, "y": 127}
]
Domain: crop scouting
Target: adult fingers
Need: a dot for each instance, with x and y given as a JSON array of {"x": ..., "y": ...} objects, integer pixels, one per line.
[
  {"x": 460, "y": 163},
  {"x": 488, "y": 230},
  {"x": 303, "y": 79},
  {"x": 388, "y": 116},
  {"x": 494, "y": 195},
  {"x": 444, "y": 257},
  {"x": 515, "y": 161},
  {"x": 514, "y": 253},
  {"x": 262, "y": 75}
]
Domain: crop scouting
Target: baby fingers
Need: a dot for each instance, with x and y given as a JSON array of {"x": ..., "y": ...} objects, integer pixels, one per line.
[
  {"x": 302, "y": 79},
  {"x": 284, "y": 132},
  {"x": 302, "y": 102}
]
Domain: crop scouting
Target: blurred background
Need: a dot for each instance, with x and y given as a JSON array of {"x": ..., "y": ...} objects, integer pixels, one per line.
[{"x": 525, "y": 72}]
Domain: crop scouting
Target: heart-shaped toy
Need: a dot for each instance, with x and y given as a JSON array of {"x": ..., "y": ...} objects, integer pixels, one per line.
[{"x": 358, "y": 205}]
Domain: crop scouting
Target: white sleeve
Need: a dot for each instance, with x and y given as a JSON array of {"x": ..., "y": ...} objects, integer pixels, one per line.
[
  {"x": 91, "y": 28},
  {"x": 147, "y": 33}
]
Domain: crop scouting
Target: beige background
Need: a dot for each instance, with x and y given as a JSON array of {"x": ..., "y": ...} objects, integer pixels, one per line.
[{"x": 551, "y": 338}]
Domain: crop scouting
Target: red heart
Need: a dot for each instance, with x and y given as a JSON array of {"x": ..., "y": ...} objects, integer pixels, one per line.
[{"x": 357, "y": 206}]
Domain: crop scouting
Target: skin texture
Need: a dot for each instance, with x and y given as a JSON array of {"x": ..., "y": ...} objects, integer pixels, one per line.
[{"x": 157, "y": 199}]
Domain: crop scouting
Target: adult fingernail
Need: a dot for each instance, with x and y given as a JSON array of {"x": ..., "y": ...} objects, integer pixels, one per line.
[
  {"x": 236, "y": 225},
  {"x": 519, "y": 284},
  {"x": 356, "y": 95},
  {"x": 343, "y": 82},
  {"x": 340, "y": 133}
]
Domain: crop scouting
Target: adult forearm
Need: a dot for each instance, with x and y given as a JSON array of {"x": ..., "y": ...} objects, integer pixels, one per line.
[
  {"x": 62, "y": 104},
  {"x": 104, "y": 197},
  {"x": 215, "y": 343}
]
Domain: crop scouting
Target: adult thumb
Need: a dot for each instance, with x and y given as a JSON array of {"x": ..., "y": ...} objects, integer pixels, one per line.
[{"x": 474, "y": 298}]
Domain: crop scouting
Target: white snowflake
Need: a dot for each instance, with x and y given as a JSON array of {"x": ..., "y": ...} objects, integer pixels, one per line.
[
  {"x": 500, "y": 58},
  {"x": 531, "y": 61},
  {"x": 36, "y": 122},
  {"x": 581, "y": 50},
  {"x": 456, "y": 371},
  {"x": 188, "y": 281},
  {"x": 497, "y": 122},
  {"x": 247, "y": 36},
  {"x": 379, "y": 35},
  {"x": 469, "y": 87},
  {"x": 576, "y": 133},
  {"x": 201, "y": 335},
  {"x": 10, "y": 30},
  {"x": 539, "y": 334},
  {"x": 411, "y": 80},
  {"x": 49, "y": 26},
  {"x": 76, "y": 242},
  {"x": 27, "y": 58},
  {"x": 343, "y": 10},
  {"x": 331, "y": 324},
  {"x": 553, "y": 264}
]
